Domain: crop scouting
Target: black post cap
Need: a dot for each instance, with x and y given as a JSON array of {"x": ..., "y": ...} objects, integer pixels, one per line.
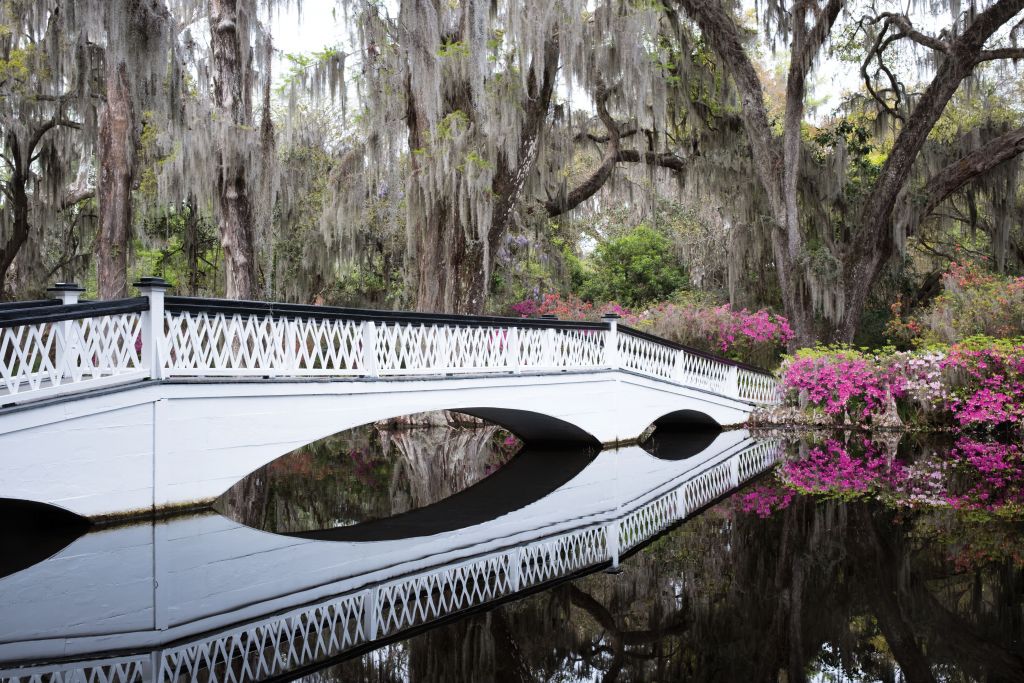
[
  {"x": 610, "y": 316},
  {"x": 152, "y": 281},
  {"x": 66, "y": 287},
  {"x": 549, "y": 316}
]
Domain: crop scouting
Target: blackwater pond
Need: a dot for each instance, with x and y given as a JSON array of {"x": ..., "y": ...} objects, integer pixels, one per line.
[{"x": 436, "y": 548}]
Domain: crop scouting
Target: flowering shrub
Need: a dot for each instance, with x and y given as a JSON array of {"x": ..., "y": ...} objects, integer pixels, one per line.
[
  {"x": 755, "y": 337},
  {"x": 973, "y": 301},
  {"x": 988, "y": 382},
  {"x": 840, "y": 381},
  {"x": 978, "y": 383}
]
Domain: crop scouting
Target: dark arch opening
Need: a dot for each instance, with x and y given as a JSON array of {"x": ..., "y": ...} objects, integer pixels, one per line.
[
  {"x": 534, "y": 428},
  {"x": 30, "y": 532},
  {"x": 681, "y": 435},
  {"x": 531, "y": 474}
]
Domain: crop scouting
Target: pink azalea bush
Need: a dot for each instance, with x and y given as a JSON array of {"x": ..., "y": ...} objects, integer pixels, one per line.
[
  {"x": 753, "y": 336},
  {"x": 976, "y": 384}
]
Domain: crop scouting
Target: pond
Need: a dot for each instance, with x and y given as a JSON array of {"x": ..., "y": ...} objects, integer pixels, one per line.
[{"x": 438, "y": 548}]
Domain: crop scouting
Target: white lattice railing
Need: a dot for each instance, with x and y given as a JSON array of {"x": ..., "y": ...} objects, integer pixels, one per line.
[
  {"x": 49, "y": 349},
  {"x": 299, "y": 638},
  {"x": 57, "y": 348}
]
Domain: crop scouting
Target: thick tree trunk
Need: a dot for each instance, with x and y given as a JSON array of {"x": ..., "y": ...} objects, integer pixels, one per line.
[
  {"x": 232, "y": 76},
  {"x": 114, "y": 191},
  {"x": 19, "y": 229}
]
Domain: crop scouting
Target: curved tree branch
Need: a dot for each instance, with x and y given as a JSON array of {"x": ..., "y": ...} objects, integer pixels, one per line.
[{"x": 596, "y": 180}]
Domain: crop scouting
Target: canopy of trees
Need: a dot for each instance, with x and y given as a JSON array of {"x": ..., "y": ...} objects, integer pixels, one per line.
[{"x": 460, "y": 156}]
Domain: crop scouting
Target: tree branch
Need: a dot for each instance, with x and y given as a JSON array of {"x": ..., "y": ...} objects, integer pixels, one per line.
[
  {"x": 723, "y": 35},
  {"x": 963, "y": 170},
  {"x": 1013, "y": 53},
  {"x": 600, "y": 175},
  {"x": 662, "y": 159}
]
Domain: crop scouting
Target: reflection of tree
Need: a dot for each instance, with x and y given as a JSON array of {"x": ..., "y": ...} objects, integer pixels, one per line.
[
  {"x": 365, "y": 473},
  {"x": 435, "y": 460},
  {"x": 831, "y": 587}
]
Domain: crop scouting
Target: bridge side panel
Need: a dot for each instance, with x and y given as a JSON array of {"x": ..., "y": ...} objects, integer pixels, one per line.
[{"x": 91, "y": 465}]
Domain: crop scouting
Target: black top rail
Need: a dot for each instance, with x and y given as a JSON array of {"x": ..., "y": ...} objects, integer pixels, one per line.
[
  {"x": 280, "y": 310},
  {"x": 7, "y": 305},
  {"x": 632, "y": 331},
  {"x": 34, "y": 315}
]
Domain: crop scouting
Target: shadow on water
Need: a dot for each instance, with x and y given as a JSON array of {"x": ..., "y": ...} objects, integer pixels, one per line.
[
  {"x": 32, "y": 532},
  {"x": 681, "y": 435},
  {"x": 530, "y": 475}
]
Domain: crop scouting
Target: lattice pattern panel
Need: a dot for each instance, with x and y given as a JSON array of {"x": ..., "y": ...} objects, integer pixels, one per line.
[
  {"x": 709, "y": 485},
  {"x": 704, "y": 373},
  {"x": 419, "y": 599},
  {"x": 563, "y": 555},
  {"x": 580, "y": 348},
  {"x": 649, "y": 520},
  {"x": 757, "y": 387},
  {"x": 268, "y": 648},
  {"x": 647, "y": 357},
  {"x": 44, "y": 355},
  {"x": 758, "y": 458},
  {"x": 118, "y": 670},
  {"x": 205, "y": 344}
]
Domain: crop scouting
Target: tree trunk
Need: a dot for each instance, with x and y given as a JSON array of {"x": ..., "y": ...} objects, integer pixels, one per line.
[
  {"x": 114, "y": 191},
  {"x": 18, "y": 196},
  {"x": 232, "y": 76}
]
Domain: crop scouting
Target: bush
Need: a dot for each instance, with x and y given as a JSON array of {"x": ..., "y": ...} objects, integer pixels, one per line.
[
  {"x": 636, "y": 269},
  {"x": 973, "y": 302},
  {"x": 754, "y": 337}
]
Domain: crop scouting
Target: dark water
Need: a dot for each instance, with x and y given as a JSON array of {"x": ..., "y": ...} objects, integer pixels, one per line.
[{"x": 853, "y": 559}]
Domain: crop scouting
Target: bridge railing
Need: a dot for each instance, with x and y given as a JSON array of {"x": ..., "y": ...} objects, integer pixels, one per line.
[{"x": 48, "y": 348}]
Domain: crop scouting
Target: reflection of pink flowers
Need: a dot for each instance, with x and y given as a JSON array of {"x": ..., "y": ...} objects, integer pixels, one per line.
[
  {"x": 764, "y": 500},
  {"x": 832, "y": 470},
  {"x": 984, "y": 476}
]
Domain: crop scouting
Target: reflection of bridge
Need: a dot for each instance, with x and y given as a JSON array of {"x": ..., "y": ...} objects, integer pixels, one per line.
[
  {"x": 203, "y": 598},
  {"x": 126, "y": 406}
]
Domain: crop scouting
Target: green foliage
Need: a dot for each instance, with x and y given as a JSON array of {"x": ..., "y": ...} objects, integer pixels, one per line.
[{"x": 635, "y": 269}]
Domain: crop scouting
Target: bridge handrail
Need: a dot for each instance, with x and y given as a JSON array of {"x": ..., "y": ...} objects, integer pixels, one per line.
[
  {"x": 57, "y": 312},
  {"x": 5, "y": 305},
  {"x": 690, "y": 350},
  {"x": 280, "y": 310},
  {"x": 56, "y": 348},
  {"x": 158, "y": 336}
]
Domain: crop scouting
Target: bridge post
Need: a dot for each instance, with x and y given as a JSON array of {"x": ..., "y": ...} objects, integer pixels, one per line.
[
  {"x": 611, "y": 542},
  {"x": 153, "y": 288},
  {"x": 733, "y": 381},
  {"x": 515, "y": 570},
  {"x": 370, "y": 349},
  {"x": 68, "y": 293},
  {"x": 611, "y": 349},
  {"x": 369, "y": 606},
  {"x": 550, "y": 343},
  {"x": 512, "y": 350}
]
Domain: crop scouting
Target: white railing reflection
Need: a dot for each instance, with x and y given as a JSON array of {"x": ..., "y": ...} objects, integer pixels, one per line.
[{"x": 310, "y": 634}]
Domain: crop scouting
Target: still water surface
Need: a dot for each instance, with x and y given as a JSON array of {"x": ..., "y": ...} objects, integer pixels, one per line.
[{"x": 888, "y": 560}]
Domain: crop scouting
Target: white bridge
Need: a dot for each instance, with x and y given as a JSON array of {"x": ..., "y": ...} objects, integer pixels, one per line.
[{"x": 122, "y": 407}]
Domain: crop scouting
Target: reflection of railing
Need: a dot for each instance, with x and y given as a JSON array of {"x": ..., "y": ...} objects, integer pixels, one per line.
[
  {"x": 50, "y": 349},
  {"x": 307, "y": 635}
]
